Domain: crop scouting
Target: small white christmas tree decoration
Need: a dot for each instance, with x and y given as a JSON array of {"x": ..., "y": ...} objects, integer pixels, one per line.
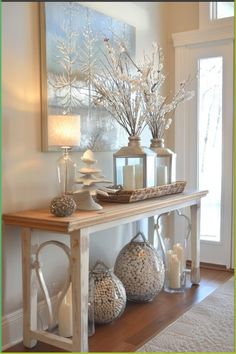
[
  {"x": 88, "y": 157},
  {"x": 91, "y": 176}
]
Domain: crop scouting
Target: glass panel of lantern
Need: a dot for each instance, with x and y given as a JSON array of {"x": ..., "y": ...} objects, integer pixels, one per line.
[
  {"x": 134, "y": 166},
  {"x": 165, "y": 163}
]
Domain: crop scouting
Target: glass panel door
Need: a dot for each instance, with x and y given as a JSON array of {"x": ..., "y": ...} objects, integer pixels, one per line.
[
  {"x": 210, "y": 144},
  {"x": 214, "y": 145}
]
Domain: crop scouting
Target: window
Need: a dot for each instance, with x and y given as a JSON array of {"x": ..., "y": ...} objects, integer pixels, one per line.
[
  {"x": 221, "y": 10},
  {"x": 210, "y": 144},
  {"x": 216, "y": 14}
]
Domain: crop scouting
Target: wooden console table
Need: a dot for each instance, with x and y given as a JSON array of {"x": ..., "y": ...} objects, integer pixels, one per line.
[{"x": 78, "y": 227}]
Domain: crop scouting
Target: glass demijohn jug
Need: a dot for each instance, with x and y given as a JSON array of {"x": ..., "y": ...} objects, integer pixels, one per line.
[{"x": 174, "y": 255}]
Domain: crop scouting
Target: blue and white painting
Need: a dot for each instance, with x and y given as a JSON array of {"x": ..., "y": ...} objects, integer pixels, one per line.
[{"x": 74, "y": 49}]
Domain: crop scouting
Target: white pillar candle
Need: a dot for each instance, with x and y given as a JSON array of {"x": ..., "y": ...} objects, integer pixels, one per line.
[
  {"x": 161, "y": 175},
  {"x": 167, "y": 243},
  {"x": 169, "y": 253},
  {"x": 138, "y": 176},
  {"x": 179, "y": 251},
  {"x": 174, "y": 274},
  {"x": 65, "y": 323},
  {"x": 129, "y": 177}
]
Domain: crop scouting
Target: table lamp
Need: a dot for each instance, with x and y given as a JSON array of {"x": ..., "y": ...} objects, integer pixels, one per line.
[{"x": 64, "y": 132}]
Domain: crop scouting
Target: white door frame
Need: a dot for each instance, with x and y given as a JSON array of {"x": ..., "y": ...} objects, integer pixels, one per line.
[{"x": 185, "y": 44}]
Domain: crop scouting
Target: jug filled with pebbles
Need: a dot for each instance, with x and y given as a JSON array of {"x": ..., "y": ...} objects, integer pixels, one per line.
[
  {"x": 141, "y": 269},
  {"x": 109, "y": 294}
]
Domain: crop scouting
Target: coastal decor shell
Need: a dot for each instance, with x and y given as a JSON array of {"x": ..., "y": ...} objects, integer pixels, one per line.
[
  {"x": 109, "y": 294},
  {"x": 141, "y": 270},
  {"x": 62, "y": 206}
]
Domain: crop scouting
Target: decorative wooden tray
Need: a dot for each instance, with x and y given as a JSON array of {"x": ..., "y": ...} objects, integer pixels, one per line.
[{"x": 129, "y": 196}]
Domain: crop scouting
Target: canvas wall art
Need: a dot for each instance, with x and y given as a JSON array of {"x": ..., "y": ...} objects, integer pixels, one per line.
[{"x": 72, "y": 47}]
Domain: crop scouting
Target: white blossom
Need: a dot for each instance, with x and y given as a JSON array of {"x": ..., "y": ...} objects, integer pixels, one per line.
[{"x": 131, "y": 92}]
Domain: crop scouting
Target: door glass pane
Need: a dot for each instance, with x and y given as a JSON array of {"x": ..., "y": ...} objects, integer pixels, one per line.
[
  {"x": 210, "y": 145},
  {"x": 224, "y": 9}
]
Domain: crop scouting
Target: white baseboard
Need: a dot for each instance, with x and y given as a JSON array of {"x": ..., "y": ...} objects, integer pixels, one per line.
[{"x": 12, "y": 325}]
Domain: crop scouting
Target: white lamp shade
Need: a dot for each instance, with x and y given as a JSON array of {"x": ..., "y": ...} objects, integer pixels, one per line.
[{"x": 64, "y": 130}]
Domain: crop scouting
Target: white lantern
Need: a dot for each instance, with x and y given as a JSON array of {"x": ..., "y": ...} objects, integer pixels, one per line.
[
  {"x": 134, "y": 166},
  {"x": 165, "y": 163}
]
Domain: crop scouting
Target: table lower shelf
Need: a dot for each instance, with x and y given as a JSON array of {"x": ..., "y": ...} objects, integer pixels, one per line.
[
  {"x": 121, "y": 334},
  {"x": 52, "y": 339}
]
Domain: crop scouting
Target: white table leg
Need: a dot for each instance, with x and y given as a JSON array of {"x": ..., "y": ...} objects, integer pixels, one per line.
[
  {"x": 29, "y": 290},
  {"x": 79, "y": 275},
  {"x": 195, "y": 243}
]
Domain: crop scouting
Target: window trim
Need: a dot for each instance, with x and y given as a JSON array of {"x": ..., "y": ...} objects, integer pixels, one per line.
[{"x": 207, "y": 11}]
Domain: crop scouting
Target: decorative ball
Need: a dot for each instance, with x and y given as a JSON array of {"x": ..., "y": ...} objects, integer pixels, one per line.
[
  {"x": 141, "y": 270},
  {"x": 62, "y": 206},
  {"x": 109, "y": 294}
]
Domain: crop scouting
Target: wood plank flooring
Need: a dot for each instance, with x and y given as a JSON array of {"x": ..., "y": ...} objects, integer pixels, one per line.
[{"x": 141, "y": 322}]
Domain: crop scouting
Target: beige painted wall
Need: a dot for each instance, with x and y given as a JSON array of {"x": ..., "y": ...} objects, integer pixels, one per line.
[
  {"x": 181, "y": 17},
  {"x": 29, "y": 176}
]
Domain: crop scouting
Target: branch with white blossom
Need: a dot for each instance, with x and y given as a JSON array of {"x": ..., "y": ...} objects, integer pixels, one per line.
[{"x": 131, "y": 92}]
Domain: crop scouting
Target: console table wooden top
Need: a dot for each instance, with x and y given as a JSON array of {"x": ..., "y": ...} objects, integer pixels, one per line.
[{"x": 42, "y": 219}]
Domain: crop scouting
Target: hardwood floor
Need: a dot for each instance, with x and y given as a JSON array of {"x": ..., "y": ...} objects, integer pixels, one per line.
[{"x": 141, "y": 322}]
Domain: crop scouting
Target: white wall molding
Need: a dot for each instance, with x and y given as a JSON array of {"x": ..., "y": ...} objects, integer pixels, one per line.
[
  {"x": 12, "y": 325},
  {"x": 195, "y": 37}
]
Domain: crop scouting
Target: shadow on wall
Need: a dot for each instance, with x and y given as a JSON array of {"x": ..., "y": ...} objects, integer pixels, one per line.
[{"x": 106, "y": 245}]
